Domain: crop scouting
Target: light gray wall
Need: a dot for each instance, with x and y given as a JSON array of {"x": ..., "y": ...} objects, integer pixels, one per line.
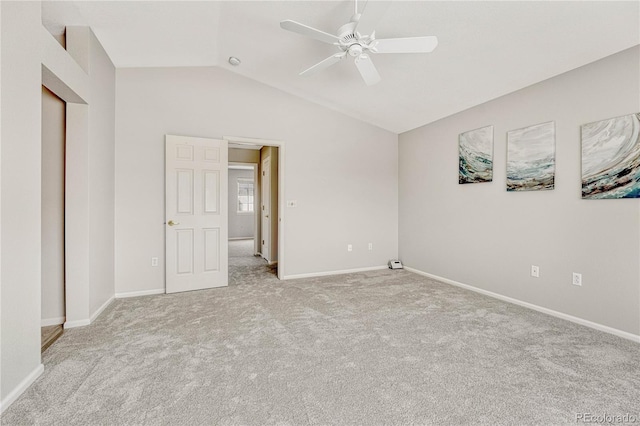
[
  {"x": 53, "y": 129},
  {"x": 90, "y": 236},
  {"x": 30, "y": 57},
  {"x": 342, "y": 172},
  {"x": 102, "y": 78},
  {"x": 240, "y": 224},
  {"x": 20, "y": 190},
  {"x": 480, "y": 235}
]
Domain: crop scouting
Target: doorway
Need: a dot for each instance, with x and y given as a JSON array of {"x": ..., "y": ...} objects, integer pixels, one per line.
[
  {"x": 266, "y": 158},
  {"x": 232, "y": 150},
  {"x": 244, "y": 213},
  {"x": 53, "y": 312}
]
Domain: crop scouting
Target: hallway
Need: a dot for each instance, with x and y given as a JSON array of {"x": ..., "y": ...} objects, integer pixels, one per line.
[{"x": 245, "y": 268}]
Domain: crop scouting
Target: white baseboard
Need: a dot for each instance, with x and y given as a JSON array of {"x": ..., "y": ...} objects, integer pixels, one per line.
[
  {"x": 567, "y": 317},
  {"x": 328, "y": 273},
  {"x": 83, "y": 322},
  {"x": 139, "y": 293},
  {"x": 51, "y": 321},
  {"x": 76, "y": 323},
  {"x": 19, "y": 390},
  {"x": 101, "y": 309}
]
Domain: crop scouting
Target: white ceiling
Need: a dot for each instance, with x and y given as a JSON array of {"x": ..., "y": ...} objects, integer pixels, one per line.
[{"x": 486, "y": 49}]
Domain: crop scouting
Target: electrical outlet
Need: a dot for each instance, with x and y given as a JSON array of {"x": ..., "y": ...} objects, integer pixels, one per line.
[
  {"x": 349, "y": 247},
  {"x": 577, "y": 279},
  {"x": 154, "y": 261},
  {"x": 535, "y": 271},
  {"x": 370, "y": 246}
]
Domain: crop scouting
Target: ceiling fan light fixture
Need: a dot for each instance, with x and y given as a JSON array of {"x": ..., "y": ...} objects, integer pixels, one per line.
[
  {"x": 357, "y": 39},
  {"x": 355, "y": 50},
  {"x": 234, "y": 61}
]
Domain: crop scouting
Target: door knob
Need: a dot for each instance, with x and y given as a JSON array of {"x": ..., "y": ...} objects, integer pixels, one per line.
[{"x": 172, "y": 223}]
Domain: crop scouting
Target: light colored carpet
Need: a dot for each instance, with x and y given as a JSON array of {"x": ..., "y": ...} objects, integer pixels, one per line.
[
  {"x": 244, "y": 266},
  {"x": 380, "y": 347}
]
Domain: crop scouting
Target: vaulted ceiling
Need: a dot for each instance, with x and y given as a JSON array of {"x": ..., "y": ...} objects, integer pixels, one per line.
[{"x": 486, "y": 49}]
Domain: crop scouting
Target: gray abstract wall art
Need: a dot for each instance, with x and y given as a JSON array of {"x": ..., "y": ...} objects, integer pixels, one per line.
[
  {"x": 611, "y": 158},
  {"x": 475, "y": 163},
  {"x": 531, "y": 158}
]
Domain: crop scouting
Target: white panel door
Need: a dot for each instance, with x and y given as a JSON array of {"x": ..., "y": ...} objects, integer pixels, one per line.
[
  {"x": 196, "y": 213},
  {"x": 265, "y": 210}
]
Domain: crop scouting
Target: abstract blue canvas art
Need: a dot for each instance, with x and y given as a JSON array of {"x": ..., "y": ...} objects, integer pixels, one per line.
[
  {"x": 611, "y": 158},
  {"x": 475, "y": 162},
  {"x": 531, "y": 158}
]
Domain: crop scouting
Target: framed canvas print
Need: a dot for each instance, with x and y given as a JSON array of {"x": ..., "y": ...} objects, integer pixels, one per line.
[
  {"x": 531, "y": 158},
  {"x": 475, "y": 155},
  {"x": 611, "y": 158}
]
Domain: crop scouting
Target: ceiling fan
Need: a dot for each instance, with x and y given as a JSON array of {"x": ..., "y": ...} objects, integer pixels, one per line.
[{"x": 357, "y": 39}]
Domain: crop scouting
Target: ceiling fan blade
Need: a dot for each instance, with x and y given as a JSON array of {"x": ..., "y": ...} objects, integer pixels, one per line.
[
  {"x": 405, "y": 45},
  {"x": 369, "y": 17},
  {"x": 367, "y": 70},
  {"x": 305, "y": 30},
  {"x": 331, "y": 60}
]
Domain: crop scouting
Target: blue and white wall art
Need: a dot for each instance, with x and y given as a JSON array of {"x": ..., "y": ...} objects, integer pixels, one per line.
[
  {"x": 531, "y": 158},
  {"x": 611, "y": 158},
  {"x": 475, "y": 148}
]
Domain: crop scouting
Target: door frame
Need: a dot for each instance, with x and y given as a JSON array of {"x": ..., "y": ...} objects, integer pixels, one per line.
[
  {"x": 265, "y": 213},
  {"x": 281, "y": 190}
]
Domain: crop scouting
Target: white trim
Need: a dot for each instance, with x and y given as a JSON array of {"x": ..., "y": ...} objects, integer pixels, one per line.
[
  {"x": 52, "y": 321},
  {"x": 253, "y": 141},
  {"x": 82, "y": 323},
  {"x": 282, "y": 206},
  {"x": 19, "y": 390},
  {"x": 101, "y": 309},
  {"x": 77, "y": 323},
  {"x": 567, "y": 317},
  {"x": 328, "y": 273},
  {"x": 140, "y": 293}
]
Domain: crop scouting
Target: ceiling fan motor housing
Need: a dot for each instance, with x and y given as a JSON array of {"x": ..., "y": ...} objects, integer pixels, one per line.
[
  {"x": 350, "y": 41},
  {"x": 346, "y": 31}
]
